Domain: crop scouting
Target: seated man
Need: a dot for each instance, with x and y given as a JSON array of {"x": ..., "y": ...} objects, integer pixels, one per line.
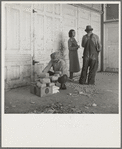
[{"x": 58, "y": 65}]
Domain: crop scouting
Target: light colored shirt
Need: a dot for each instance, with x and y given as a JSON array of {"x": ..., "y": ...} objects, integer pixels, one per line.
[
  {"x": 95, "y": 40},
  {"x": 60, "y": 65}
]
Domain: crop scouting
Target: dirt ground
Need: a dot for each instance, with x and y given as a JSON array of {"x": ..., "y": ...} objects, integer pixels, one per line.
[{"x": 102, "y": 98}]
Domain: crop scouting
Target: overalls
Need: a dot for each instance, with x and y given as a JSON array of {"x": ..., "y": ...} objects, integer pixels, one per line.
[{"x": 90, "y": 59}]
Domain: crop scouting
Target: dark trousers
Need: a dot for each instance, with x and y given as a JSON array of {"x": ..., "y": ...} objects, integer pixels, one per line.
[
  {"x": 92, "y": 64},
  {"x": 62, "y": 79}
]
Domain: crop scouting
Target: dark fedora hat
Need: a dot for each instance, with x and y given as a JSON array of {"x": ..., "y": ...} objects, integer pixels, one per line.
[{"x": 88, "y": 28}]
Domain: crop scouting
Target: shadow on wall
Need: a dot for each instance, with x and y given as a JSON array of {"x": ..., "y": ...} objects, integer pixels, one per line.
[
  {"x": 61, "y": 46},
  {"x": 63, "y": 49},
  {"x": 64, "y": 52}
]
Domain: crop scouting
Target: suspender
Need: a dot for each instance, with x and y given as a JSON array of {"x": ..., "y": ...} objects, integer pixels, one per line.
[
  {"x": 91, "y": 36},
  {"x": 90, "y": 50}
]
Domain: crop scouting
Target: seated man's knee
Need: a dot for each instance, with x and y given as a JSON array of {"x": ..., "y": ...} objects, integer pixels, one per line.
[{"x": 63, "y": 79}]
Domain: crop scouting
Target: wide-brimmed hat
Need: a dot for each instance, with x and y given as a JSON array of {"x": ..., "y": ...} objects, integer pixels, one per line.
[
  {"x": 55, "y": 56},
  {"x": 88, "y": 28}
]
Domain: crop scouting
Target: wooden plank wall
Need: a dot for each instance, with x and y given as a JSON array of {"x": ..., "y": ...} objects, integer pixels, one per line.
[{"x": 36, "y": 35}]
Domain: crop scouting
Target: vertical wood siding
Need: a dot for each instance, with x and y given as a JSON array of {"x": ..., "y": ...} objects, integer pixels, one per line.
[{"x": 36, "y": 35}]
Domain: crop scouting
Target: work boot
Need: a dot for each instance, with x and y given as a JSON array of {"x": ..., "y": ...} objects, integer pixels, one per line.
[
  {"x": 83, "y": 83},
  {"x": 63, "y": 87}
]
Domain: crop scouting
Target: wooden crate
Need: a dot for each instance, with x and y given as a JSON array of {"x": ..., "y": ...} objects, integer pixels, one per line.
[{"x": 40, "y": 91}]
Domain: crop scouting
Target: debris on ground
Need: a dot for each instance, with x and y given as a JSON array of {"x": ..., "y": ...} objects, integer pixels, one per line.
[
  {"x": 109, "y": 90},
  {"x": 82, "y": 93},
  {"x": 75, "y": 95},
  {"x": 104, "y": 94},
  {"x": 86, "y": 107},
  {"x": 34, "y": 111},
  {"x": 94, "y": 105},
  {"x": 13, "y": 106},
  {"x": 70, "y": 94},
  {"x": 58, "y": 108},
  {"x": 32, "y": 102},
  {"x": 78, "y": 93},
  {"x": 50, "y": 111}
]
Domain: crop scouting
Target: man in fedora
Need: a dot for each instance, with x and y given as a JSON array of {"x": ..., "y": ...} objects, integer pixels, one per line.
[{"x": 92, "y": 47}]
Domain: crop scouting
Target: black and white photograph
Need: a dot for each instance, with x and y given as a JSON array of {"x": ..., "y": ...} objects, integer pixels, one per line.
[{"x": 61, "y": 58}]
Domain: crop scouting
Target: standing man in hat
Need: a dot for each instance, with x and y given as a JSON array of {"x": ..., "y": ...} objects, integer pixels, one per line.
[{"x": 92, "y": 47}]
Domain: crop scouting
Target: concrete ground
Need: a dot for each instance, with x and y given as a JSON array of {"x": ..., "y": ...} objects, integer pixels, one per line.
[{"x": 102, "y": 98}]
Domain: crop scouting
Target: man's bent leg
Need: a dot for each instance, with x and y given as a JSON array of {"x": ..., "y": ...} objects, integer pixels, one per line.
[
  {"x": 83, "y": 76},
  {"x": 63, "y": 80},
  {"x": 92, "y": 71}
]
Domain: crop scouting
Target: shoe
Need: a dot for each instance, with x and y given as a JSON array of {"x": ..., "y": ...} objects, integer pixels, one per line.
[
  {"x": 83, "y": 83},
  {"x": 63, "y": 87},
  {"x": 91, "y": 84}
]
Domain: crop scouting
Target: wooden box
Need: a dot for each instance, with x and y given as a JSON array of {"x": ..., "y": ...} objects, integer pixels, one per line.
[{"x": 41, "y": 91}]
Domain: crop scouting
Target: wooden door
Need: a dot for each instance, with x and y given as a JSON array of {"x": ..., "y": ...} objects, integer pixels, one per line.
[
  {"x": 47, "y": 34},
  {"x": 33, "y": 32},
  {"x": 111, "y": 46},
  {"x": 18, "y": 46},
  {"x": 39, "y": 40}
]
